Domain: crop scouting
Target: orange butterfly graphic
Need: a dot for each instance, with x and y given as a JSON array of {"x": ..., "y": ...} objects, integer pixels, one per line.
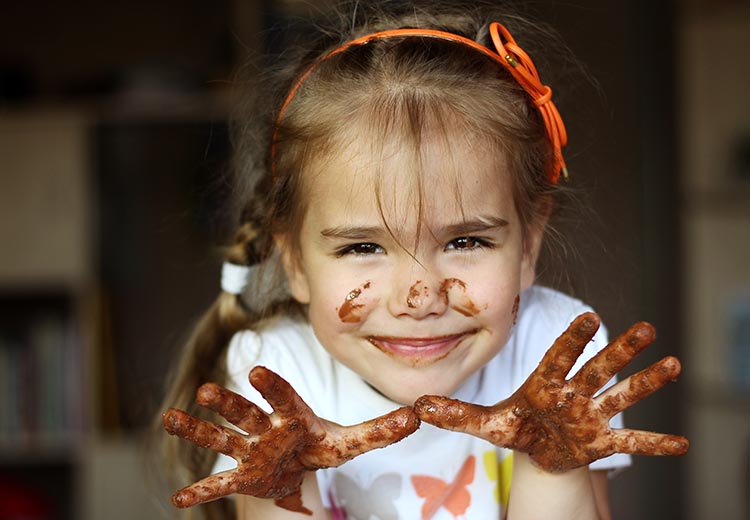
[{"x": 453, "y": 496}]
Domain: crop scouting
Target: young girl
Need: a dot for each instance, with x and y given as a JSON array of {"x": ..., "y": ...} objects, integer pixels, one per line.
[{"x": 380, "y": 293}]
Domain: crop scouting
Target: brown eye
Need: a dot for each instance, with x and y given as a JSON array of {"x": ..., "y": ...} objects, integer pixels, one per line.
[
  {"x": 467, "y": 244},
  {"x": 364, "y": 248}
]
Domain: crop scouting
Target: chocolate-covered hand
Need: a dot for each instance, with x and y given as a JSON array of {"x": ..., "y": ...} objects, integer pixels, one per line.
[
  {"x": 280, "y": 447},
  {"x": 559, "y": 422}
]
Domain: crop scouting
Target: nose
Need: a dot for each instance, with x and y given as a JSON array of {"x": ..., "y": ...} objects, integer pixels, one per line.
[{"x": 417, "y": 295}]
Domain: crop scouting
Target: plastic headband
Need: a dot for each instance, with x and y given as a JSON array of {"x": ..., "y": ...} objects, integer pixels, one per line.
[{"x": 507, "y": 52}]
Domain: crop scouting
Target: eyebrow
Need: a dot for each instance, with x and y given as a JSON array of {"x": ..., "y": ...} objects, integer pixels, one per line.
[
  {"x": 352, "y": 232},
  {"x": 479, "y": 224}
]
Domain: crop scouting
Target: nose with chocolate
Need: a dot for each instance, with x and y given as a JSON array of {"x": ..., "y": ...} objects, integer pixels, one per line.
[
  {"x": 351, "y": 310},
  {"x": 417, "y": 292}
]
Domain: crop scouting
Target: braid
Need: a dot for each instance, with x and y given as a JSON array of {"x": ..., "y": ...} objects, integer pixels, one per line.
[
  {"x": 242, "y": 251},
  {"x": 203, "y": 360}
]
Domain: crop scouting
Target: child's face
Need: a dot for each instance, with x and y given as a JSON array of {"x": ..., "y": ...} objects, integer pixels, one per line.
[{"x": 413, "y": 307}]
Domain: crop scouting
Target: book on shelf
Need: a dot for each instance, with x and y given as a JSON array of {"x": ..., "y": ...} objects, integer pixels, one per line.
[{"x": 40, "y": 381}]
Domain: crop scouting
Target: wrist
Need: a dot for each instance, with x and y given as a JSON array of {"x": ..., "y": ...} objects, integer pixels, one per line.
[{"x": 539, "y": 494}]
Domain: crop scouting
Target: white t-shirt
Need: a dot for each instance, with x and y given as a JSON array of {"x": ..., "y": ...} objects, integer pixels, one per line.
[{"x": 449, "y": 474}]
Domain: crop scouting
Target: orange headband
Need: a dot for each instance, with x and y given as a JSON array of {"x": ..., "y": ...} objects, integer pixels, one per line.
[{"x": 509, "y": 54}]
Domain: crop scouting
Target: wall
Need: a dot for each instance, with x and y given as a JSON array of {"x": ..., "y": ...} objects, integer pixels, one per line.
[{"x": 715, "y": 149}]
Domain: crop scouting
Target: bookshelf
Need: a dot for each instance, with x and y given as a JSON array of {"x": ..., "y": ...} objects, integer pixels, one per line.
[
  {"x": 109, "y": 223},
  {"x": 40, "y": 368},
  {"x": 46, "y": 277},
  {"x": 101, "y": 269}
]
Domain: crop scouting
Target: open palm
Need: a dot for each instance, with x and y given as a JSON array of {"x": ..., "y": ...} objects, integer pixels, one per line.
[
  {"x": 277, "y": 449},
  {"x": 560, "y": 422}
]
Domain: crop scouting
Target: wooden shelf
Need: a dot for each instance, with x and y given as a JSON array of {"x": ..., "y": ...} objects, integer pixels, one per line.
[
  {"x": 721, "y": 398},
  {"x": 731, "y": 200}
]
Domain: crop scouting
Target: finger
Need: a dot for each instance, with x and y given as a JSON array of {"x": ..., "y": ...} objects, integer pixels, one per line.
[
  {"x": 204, "y": 434},
  {"x": 613, "y": 358},
  {"x": 566, "y": 349},
  {"x": 640, "y": 442},
  {"x": 206, "y": 490},
  {"x": 380, "y": 432},
  {"x": 451, "y": 414},
  {"x": 638, "y": 386},
  {"x": 344, "y": 443},
  {"x": 234, "y": 408},
  {"x": 279, "y": 394}
]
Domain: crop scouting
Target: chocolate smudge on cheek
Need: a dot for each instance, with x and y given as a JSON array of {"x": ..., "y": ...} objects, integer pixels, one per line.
[
  {"x": 516, "y": 304},
  {"x": 461, "y": 303},
  {"x": 349, "y": 312}
]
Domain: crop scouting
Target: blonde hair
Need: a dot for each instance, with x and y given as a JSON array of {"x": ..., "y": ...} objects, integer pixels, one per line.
[{"x": 403, "y": 87}]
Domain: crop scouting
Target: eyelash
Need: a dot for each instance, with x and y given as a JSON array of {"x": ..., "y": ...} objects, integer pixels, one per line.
[
  {"x": 370, "y": 248},
  {"x": 358, "y": 249},
  {"x": 478, "y": 243}
]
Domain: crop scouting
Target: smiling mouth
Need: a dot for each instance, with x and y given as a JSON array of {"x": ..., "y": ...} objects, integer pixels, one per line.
[{"x": 419, "y": 349}]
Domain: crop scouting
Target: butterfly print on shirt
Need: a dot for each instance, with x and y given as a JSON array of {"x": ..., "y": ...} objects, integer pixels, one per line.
[
  {"x": 453, "y": 496},
  {"x": 377, "y": 501}
]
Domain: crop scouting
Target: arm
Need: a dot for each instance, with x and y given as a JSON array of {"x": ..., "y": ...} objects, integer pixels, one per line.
[
  {"x": 538, "y": 494},
  {"x": 600, "y": 483},
  {"x": 579, "y": 493},
  {"x": 251, "y": 508},
  {"x": 278, "y": 449},
  {"x": 559, "y": 423}
]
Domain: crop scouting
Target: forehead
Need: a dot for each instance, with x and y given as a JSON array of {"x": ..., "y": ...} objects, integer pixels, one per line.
[{"x": 443, "y": 175}]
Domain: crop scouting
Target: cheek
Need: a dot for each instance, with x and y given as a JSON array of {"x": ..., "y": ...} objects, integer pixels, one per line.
[
  {"x": 458, "y": 296},
  {"x": 493, "y": 283},
  {"x": 495, "y": 300},
  {"x": 344, "y": 306},
  {"x": 355, "y": 305}
]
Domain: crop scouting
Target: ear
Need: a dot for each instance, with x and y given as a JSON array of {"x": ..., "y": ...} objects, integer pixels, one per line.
[
  {"x": 295, "y": 273},
  {"x": 532, "y": 246}
]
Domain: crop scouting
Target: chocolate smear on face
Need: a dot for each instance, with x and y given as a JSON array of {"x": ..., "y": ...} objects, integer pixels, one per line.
[
  {"x": 461, "y": 303},
  {"x": 349, "y": 310},
  {"x": 413, "y": 300},
  {"x": 516, "y": 304}
]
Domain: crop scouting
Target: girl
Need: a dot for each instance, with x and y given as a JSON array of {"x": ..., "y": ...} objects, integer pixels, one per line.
[{"x": 395, "y": 198}]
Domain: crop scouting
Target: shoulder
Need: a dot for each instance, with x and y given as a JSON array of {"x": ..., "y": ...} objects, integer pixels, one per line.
[
  {"x": 284, "y": 345},
  {"x": 271, "y": 340},
  {"x": 548, "y": 312},
  {"x": 543, "y": 316},
  {"x": 549, "y": 305}
]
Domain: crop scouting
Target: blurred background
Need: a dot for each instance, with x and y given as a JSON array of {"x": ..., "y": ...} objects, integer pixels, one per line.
[{"x": 113, "y": 172}]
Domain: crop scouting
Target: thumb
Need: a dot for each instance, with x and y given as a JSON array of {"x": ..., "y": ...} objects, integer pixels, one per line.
[
  {"x": 343, "y": 443},
  {"x": 451, "y": 414}
]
